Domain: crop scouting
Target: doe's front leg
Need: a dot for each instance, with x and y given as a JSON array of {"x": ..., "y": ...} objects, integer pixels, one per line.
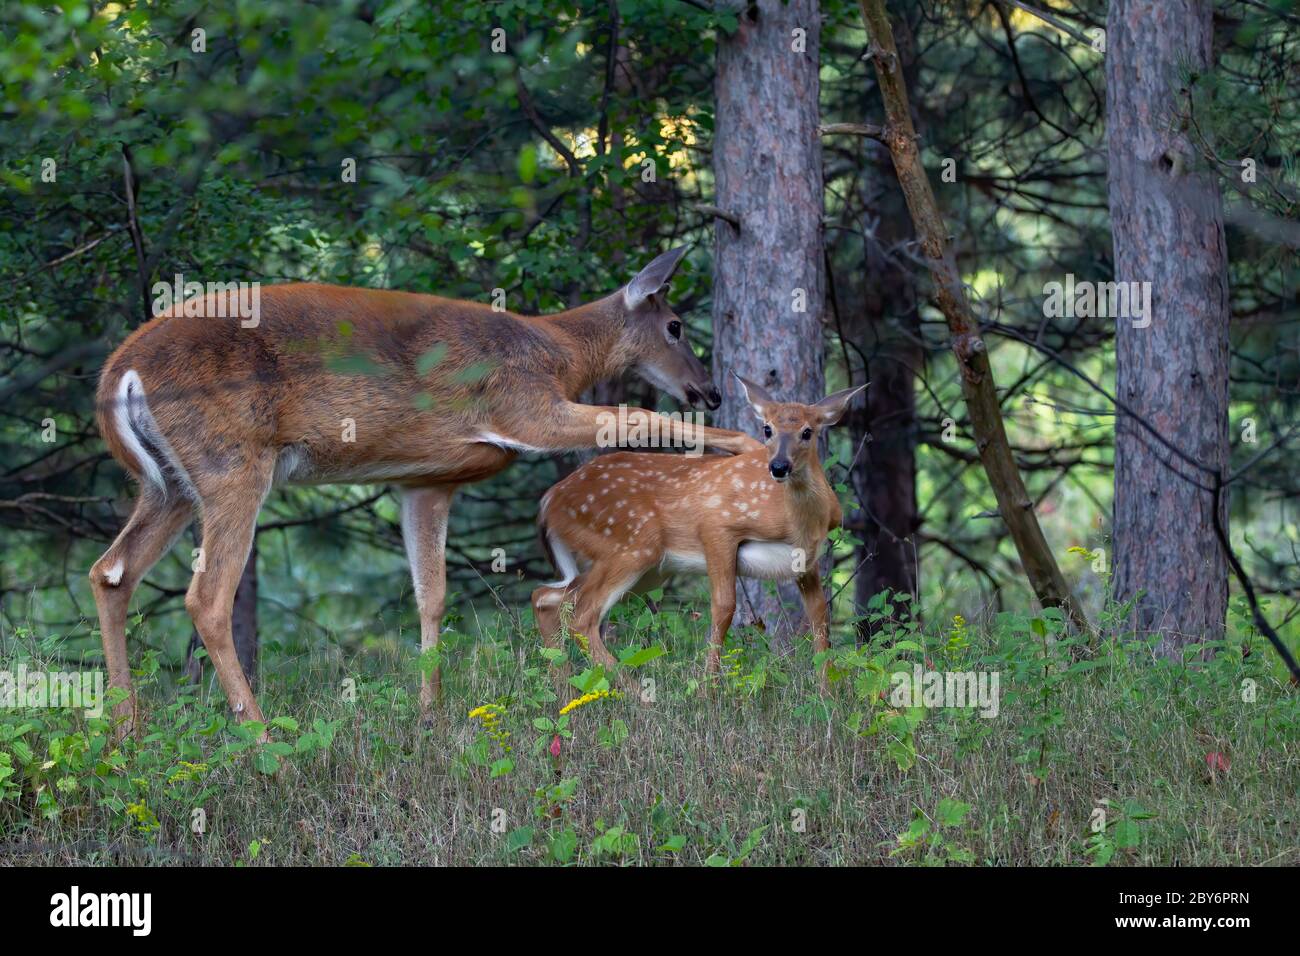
[{"x": 424, "y": 531}]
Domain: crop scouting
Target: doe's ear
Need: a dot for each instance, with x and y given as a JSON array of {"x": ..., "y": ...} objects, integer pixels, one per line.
[
  {"x": 833, "y": 407},
  {"x": 653, "y": 277},
  {"x": 756, "y": 395}
]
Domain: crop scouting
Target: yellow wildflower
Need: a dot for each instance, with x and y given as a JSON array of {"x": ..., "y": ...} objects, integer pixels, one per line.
[
  {"x": 187, "y": 771},
  {"x": 586, "y": 699},
  {"x": 489, "y": 715}
]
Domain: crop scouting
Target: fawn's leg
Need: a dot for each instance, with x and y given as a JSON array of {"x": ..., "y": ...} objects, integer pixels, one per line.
[
  {"x": 720, "y": 557},
  {"x": 547, "y": 601},
  {"x": 814, "y": 605},
  {"x": 146, "y": 537},
  {"x": 548, "y": 608},
  {"x": 228, "y": 507},
  {"x": 605, "y": 583},
  {"x": 424, "y": 531}
]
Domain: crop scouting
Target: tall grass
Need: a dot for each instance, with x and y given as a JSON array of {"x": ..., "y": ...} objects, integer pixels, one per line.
[{"x": 1101, "y": 756}]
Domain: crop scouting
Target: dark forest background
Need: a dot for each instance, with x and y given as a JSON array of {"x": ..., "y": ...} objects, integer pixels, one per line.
[{"x": 549, "y": 149}]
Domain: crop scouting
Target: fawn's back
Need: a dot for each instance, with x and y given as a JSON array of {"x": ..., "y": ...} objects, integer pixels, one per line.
[{"x": 666, "y": 509}]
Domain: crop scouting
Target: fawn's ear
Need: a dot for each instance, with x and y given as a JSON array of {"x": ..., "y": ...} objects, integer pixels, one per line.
[
  {"x": 652, "y": 278},
  {"x": 756, "y": 395},
  {"x": 833, "y": 407}
]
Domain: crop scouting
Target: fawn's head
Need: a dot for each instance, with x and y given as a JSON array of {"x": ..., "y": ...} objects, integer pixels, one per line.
[
  {"x": 657, "y": 337},
  {"x": 790, "y": 429}
]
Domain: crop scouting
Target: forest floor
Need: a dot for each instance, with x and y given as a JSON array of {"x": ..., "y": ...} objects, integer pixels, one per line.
[{"x": 1105, "y": 756}]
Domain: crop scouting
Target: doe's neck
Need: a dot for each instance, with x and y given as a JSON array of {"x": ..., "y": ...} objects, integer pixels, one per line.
[{"x": 591, "y": 336}]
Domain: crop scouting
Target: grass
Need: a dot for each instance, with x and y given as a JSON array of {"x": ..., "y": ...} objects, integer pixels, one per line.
[{"x": 1099, "y": 759}]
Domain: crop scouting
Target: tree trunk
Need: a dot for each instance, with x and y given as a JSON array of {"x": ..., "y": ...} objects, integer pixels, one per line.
[
  {"x": 1167, "y": 226},
  {"x": 243, "y": 623},
  {"x": 889, "y": 336},
  {"x": 1015, "y": 507},
  {"x": 768, "y": 274}
]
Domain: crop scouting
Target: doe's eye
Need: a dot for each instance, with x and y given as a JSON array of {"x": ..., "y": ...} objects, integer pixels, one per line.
[
  {"x": 767, "y": 431},
  {"x": 807, "y": 434},
  {"x": 675, "y": 329}
]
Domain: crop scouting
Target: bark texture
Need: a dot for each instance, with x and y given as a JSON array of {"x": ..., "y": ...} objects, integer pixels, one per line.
[
  {"x": 769, "y": 278},
  {"x": 1015, "y": 506},
  {"x": 1167, "y": 227},
  {"x": 888, "y": 334}
]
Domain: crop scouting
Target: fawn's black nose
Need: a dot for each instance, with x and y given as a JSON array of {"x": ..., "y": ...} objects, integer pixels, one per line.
[
  {"x": 780, "y": 468},
  {"x": 713, "y": 398}
]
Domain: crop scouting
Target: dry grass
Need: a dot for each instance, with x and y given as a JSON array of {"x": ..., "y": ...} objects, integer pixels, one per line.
[{"x": 768, "y": 776}]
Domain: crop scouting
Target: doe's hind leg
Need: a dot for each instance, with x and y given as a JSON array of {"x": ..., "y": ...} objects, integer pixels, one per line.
[{"x": 146, "y": 537}]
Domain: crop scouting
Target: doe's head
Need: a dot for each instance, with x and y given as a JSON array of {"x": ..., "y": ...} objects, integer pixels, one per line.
[
  {"x": 657, "y": 336},
  {"x": 790, "y": 429}
]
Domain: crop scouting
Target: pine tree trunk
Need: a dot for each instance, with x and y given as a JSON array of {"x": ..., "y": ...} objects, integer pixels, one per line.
[
  {"x": 769, "y": 284},
  {"x": 889, "y": 336},
  {"x": 1167, "y": 225},
  {"x": 979, "y": 389}
]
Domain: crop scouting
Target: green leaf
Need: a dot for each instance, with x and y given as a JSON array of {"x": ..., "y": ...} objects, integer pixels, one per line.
[
  {"x": 267, "y": 763},
  {"x": 563, "y": 845},
  {"x": 1126, "y": 835},
  {"x": 528, "y": 163},
  {"x": 643, "y": 656},
  {"x": 951, "y": 813},
  {"x": 518, "y": 838}
]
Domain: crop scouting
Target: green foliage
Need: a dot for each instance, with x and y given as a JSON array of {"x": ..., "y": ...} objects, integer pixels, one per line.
[
  {"x": 1117, "y": 830},
  {"x": 62, "y": 766},
  {"x": 1094, "y": 756},
  {"x": 930, "y": 841}
]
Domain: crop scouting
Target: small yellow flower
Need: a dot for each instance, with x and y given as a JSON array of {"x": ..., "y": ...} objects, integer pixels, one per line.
[
  {"x": 145, "y": 820},
  {"x": 489, "y": 715},
  {"x": 187, "y": 771},
  {"x": 586, "y": 699}
]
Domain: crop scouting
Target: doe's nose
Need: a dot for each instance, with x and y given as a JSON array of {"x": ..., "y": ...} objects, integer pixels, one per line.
[
  {"x": 779, "y": 467},
  {"x": 713, "y": 398}
]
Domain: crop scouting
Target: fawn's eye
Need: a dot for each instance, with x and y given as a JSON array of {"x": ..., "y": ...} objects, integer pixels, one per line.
[
  {"x": 807, "y": 434},
  {"x": 675, "y": 329},
  {"x": 767, "y": 430}
]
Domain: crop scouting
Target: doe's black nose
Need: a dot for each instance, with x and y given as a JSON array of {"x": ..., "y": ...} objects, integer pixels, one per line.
[
  {"x": 779, "y": 467},
  {"x": 713, "y": 398}
]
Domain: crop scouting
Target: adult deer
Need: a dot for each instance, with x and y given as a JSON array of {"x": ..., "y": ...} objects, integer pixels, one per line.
[
  {"x": 629, "y": 518},
  {"x": 343, "y": 385}
]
